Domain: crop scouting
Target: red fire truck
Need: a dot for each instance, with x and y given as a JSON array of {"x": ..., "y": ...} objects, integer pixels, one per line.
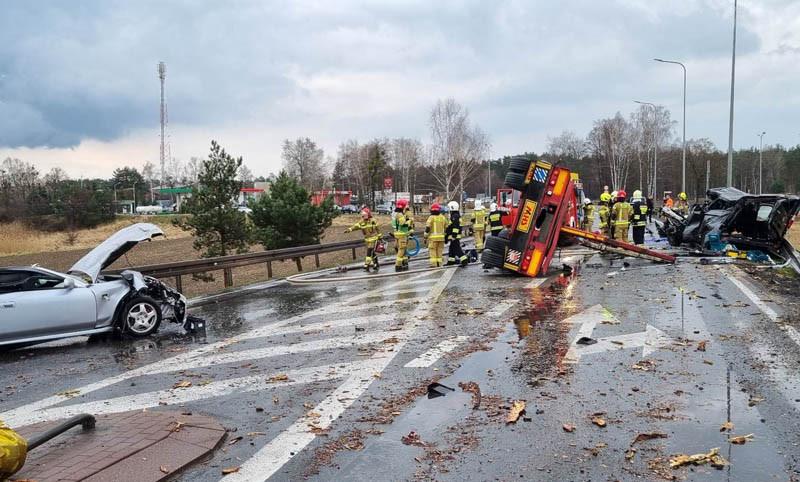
[{"x": 544, "y": 205}]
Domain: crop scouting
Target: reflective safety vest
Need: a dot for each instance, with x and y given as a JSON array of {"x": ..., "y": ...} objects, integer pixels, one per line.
[
  {"x": 588, "y": 212},
  {"x": 639, "y": 214},
  {"x": 368, "y": 227},
  {"x": 403, "y": 224},
  {"x": 479, "y": 218},
  {"x": 621, "y": 213},
  {"x": 496, "y": 220},
  {"x": 604, "y": 213},
  {"x": 454, "y": 227},
  {"x": 435, "y": 227}
]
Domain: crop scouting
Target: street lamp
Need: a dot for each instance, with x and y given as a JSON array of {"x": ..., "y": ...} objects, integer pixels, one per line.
[
  {"x": 760, "y": 164},
  {"x": 683, "y": 157},
  {"x": 730, "y": 121},
  {"x": 655, "y": 157}
]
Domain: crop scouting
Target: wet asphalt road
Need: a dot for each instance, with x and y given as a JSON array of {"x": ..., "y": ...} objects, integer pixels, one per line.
[{"x": 324, "y": 381}]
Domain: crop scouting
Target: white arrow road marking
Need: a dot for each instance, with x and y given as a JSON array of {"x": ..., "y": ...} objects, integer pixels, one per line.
[
  {"x": 431, "y": 356},
  {"x": 179, "y": 396},
  {"x": 501, "y": 307},
  {"x": 650, "y": 340},
  {"x": 588, "y": 320},
  {"x": 765, "y": 308},
  {"x": 270, "y": 458}
]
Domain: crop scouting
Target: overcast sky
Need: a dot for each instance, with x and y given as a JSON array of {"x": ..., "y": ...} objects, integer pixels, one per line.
[{"x": 79, "y": 89}]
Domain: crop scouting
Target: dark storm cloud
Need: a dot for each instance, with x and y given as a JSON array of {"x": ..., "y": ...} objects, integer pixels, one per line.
[{"x": 76, "y": 70}]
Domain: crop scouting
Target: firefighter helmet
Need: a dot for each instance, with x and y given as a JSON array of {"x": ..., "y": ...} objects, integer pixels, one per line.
[
  {"x": 493, "y": 207},
  {"x": 637, "y": 194},
  {"x": 435, "y": 208},
  {"x": 621, "y": 194},
  {"x": 605, "y": 197},
  {"x": 452, "y": 206},
  {"x": 586, "y": 200},
  {"x": 682, "y": 196},
  {"x": 401, "y": 204},
  {"x": 366, "y": 213}
]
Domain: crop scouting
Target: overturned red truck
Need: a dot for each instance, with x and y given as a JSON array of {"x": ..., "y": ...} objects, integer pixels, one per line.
[{"x": 545, "y": 206}]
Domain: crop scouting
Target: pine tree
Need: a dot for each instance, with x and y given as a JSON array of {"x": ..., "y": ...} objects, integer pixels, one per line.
[
  {"x": 218, "y": 227},
  {"x": 285, "y": 217}
]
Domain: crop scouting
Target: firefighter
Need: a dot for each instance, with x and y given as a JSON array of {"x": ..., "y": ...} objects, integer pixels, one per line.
[
  {"x": 588, "y": 214},
  {"x": 604, "y": 212},
  {"x": 369, "y": 228},
  {"x": 639, "y": 218},
  {"x": 682, "y": 206},
  {"x": 435, "y": 228},
  {"x": 403, "y": 224},
  {"x": 479, "y": 218},
  {"x": 495, "y": 219},
  {"x": 621, "y": 216},
  {"x": 455, "y": 255}
]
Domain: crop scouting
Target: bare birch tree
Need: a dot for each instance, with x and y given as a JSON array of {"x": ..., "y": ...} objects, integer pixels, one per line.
[
  {"x": 652, "y": 130},
  {"x": 457, "y": 147},
  {"x": 302, "y": 160},
  {"x": 566, "y": 145},
  {"x": 612, "y": 140}
]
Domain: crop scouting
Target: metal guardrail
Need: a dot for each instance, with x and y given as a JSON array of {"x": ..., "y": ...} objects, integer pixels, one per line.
[{"x": 227, "y": 263}]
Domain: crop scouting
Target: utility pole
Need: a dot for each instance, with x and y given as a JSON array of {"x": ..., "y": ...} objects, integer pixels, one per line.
[
  {"x": 730, "y": 123},
  {"x": 162, "y": 75},
  {"x": 760, "y": 164},
  {"x": 708, "y": 173}
]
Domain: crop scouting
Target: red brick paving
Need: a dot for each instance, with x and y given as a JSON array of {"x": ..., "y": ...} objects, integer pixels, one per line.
[{"x": 129, "y": 446}]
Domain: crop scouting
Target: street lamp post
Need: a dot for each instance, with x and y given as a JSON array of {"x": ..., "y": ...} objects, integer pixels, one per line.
[
  {"x": 655, "y": 155},
  {"x": 730, "y": 119},
  {"x": 760, "y": 164},
  {"x": 683, "y": 157}
]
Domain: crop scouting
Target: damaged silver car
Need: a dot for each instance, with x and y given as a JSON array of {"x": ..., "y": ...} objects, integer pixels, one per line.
[{"x": 39, "y": 304}]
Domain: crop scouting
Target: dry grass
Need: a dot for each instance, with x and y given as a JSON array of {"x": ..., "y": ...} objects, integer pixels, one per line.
[
  {"x": 16, "y": 238},
  {"x": 793, "y": 235}
]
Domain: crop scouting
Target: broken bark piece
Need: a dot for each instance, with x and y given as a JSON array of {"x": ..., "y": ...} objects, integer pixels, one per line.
[
  {"x": 599, "y": 421},
  {"x": 475, "y": 390},
  {"x": 517, "y": 409},
  {"x": 412, "y": 439},
  {"x": 569, "y": 428},
  {"x": 741, "y": 439},
  {"x": 712, "y": 457},
  {"x": 726, "y": 427},
  {"x": 648, "y": 436},
  {"x": 701, "y": 345}
]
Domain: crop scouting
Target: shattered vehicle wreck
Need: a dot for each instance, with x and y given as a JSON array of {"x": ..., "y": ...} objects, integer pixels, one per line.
[
  {"x": 39, "y": 304},
  {"x": 732, "y": 218}
]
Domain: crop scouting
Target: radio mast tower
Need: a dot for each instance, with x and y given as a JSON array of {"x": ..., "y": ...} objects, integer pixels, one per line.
[{"x": 162, "y": 75}]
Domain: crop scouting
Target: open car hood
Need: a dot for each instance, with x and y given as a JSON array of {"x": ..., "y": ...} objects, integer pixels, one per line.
[{"x": 111, "y": 249}]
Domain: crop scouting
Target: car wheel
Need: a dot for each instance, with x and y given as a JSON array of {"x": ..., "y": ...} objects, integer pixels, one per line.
[
  {"x": 516, "y": 181},
  {"x": 141, "y": 316},
  {"x": 519, "y": 164}
]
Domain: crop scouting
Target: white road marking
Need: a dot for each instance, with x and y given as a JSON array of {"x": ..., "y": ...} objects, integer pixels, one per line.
[
  {"x": 501, "y": 307},
  {"x": 182, "y": 360},
  {"x": 141, "y": 401},
  {"x": 650, "y": 340},
  {"x": 537, "y": 282},
  {"x": 277, "y": 350},
  {"x": 432, "y": 356},
  {"x": 270, "y": 458},
  {"x": 588, "y": 320},
  {"x": 766, "y": 309}
]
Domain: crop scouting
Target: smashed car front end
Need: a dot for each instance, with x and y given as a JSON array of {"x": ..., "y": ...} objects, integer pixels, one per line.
[
  {"x": 733, "y": 218},
  {"x": 172, "y": 303}
]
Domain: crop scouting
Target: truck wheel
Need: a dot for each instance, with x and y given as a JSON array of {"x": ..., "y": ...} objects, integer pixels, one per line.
[
  {"x": 492, "y": 259},
  {"x": 496, "y": 244},
  {"x": 141, "y": 316},
  {"x": 515, "y": 181},
  {"x": 519, "y": 164}
]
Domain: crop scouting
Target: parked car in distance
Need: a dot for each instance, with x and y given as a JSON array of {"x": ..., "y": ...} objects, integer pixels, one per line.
[
  {"x": 38, "y": 304},
  {"x": 349, "y": 208},
  {"x": 383, "y": 209}
]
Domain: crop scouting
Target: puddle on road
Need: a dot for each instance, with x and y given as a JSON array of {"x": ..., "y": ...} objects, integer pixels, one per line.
[{"x": 542, "y": 339}]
